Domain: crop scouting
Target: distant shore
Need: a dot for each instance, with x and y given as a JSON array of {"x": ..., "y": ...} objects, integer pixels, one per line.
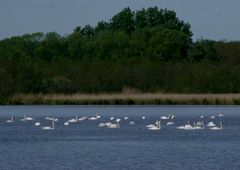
[{"x": 125, "y": 99}]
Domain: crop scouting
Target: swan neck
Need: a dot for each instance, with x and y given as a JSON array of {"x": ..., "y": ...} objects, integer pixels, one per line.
[
  {"x": 158, "y": 124},
  {"x": 221, "y": 125}
]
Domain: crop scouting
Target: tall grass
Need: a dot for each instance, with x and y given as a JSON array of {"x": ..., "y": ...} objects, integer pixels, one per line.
[{"x": 127, "y": 99}]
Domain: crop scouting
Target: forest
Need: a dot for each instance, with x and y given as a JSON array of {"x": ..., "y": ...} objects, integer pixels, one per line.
[{"x": 149, "y": 50}]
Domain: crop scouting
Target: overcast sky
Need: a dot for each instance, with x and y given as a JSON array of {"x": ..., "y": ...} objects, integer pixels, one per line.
[{"x": 212, "y": 19}]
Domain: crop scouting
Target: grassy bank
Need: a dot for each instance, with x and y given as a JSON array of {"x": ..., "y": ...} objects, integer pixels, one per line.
[{"x": 127, "y": 99}]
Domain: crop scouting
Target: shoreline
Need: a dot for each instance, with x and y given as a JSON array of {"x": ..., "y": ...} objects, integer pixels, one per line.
[{"x": 124, "y": 99}]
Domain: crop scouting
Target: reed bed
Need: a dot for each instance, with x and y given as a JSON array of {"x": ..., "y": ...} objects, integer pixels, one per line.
[{"x": 127, "y": 99}]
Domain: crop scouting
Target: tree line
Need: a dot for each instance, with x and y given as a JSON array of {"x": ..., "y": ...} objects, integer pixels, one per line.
[{"x": 150, "y": 50}]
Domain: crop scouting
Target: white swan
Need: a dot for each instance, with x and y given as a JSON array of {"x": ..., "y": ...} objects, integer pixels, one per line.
[
  {"x": 83, "y": 118},
  {"x": 155, "y": 127},
  {"x": 102, "y": 124},
  {"x": 169, "y": 123},
  {"x": 52, "y": 118},
  {"x": 196, "y": 126},
  {"x": 180, "y": 127},
  {"x": 48, "y": 127},
  {"x": 211, "y": 124},
  {"x": 11, "y": 120},
  {"x": 98, "y": 116},
  {"x": 199, "y": 125},
  {"x": 187, "y": 126},
  {"x": 114, "y": 125},
  {"x": 212, "y": 117},
  {"x": 217, "y": 128},
  {"x": 66, "y": 123},
  {"x": 220, "y": 114},
  {"x": 152, "y": 125},
  {"x": 37, "y": 124},
  {"x": 27, "y": 118},
  {"x": 165, "y": 117},
  {"x": 112, "y": 118},
  {"x": 74, "y": 120},
  {"x": 118, "y": 120},
  {"x": 109, "y": 124},
  {"x": 95, "y": 117},
  {"x": 172, "y": 116},
  {"x": 48, "y": 118},
  {"x": 132, "y": 123},
  {"x": 143, "y": 117},
  {"x": 92, "y": 118},
  {"x": 125, "y": 118}
]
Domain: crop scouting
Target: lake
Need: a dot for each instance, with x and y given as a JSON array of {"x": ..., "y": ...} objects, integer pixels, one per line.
[{"x": 85, "y": 145}]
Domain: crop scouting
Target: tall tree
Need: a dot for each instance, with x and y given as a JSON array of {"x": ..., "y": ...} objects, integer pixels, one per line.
[{"x": 123, "y": 21}]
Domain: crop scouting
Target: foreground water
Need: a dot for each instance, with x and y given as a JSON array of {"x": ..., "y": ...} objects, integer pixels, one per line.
[{"x": 86, "y": 146}]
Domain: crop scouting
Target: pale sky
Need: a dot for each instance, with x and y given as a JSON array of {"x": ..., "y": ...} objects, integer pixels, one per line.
[{"x": 210, "y": 19}]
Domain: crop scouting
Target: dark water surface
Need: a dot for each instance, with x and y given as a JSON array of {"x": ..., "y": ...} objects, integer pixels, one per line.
[{"x": 86, "y": 146}]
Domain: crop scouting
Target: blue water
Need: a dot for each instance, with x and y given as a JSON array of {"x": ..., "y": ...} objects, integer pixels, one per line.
[{"x": 86, "y": 146}]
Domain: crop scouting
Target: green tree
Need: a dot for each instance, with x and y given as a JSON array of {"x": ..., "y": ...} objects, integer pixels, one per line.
[
  {"x": 102, "y": 26},
  {"x": 203, "y": 50},
  {"x": 88, "y": 31},
  {"x": 123, "y": 21}
]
